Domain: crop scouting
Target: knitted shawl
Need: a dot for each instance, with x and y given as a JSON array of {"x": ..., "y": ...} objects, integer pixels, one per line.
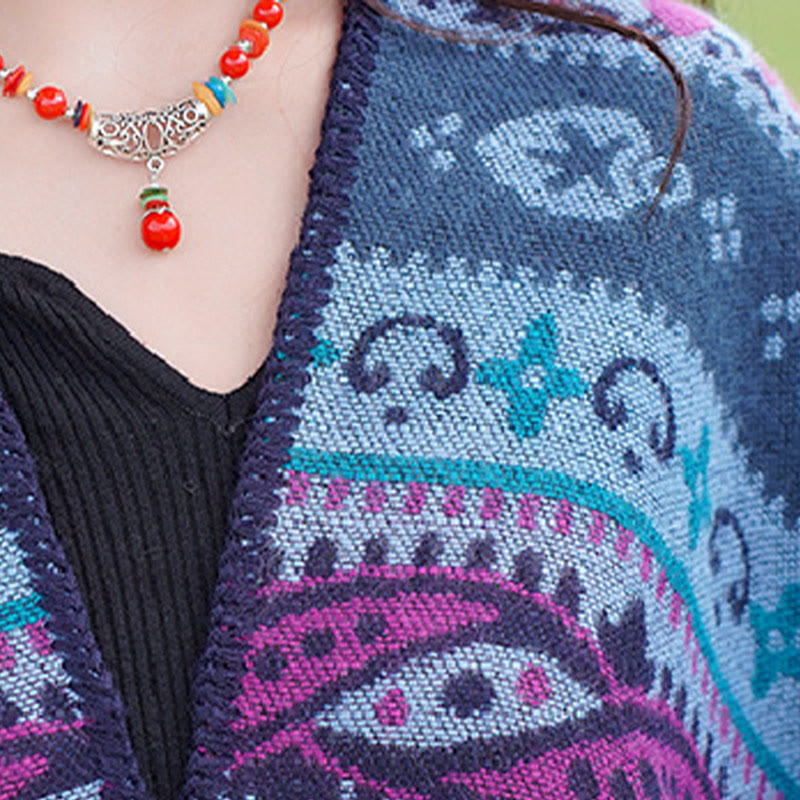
[{"x": 517, "y": 517}]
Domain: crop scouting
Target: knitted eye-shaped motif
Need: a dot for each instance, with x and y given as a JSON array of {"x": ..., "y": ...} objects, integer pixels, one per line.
[
  {"x": 436, "y": 683},
  {"x": 477, "y": 693}
]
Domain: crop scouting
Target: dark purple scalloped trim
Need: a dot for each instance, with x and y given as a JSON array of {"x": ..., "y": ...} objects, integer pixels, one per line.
[
  {"x": 102, "y": 748},
  {"x": 267, "y": 448}
]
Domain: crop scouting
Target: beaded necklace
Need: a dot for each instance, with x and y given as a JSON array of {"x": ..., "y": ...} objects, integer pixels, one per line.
[{"x": 154, "y": 134}]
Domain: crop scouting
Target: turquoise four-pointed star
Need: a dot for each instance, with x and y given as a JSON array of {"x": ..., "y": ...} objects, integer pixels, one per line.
[
  {"x": 695, "y": 475},
  {"x": 528, "y": 405},
  {"x": 779, "y": 654}
]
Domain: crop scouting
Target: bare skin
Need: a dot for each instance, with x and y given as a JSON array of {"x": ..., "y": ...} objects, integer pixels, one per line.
[{"x": 208, "y": 308}]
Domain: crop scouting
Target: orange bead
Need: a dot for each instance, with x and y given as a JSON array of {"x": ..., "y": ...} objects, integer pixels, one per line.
[
  {"x": 255, "y": 33},
  {"x": 25, "y": 84},
  {"x": 203, "y": 93},
  {"x": 268, "y": 11},
  {"x": 50, "y": 102}
]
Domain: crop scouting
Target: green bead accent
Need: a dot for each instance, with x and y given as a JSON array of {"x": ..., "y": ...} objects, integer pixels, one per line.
[
  {"x": 153, "y": 190},
  {"x": 153, "y": 193}
]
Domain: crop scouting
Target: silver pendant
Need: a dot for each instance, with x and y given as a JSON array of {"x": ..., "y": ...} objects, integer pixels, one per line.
[{"x": 151, "y": 136}]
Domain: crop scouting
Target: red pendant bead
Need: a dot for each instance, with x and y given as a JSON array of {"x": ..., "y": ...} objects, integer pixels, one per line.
[
  {"x": 268, "y": 11},
  {"x": 161, "y": 229},
  {"x": 2, "y": 63},
  {"x": 13, "y": 80},
  {"x": 50, "y": 102},
  {"x": 234, "y": 62}
]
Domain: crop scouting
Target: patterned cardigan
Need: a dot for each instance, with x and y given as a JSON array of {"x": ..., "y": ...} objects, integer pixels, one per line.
[{"x": 518, "y": 514}]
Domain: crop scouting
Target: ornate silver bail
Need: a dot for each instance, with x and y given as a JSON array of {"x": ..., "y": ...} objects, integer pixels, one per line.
[
  {"x": 151, "y": 134},
  {"x": 155, "y": 165}
]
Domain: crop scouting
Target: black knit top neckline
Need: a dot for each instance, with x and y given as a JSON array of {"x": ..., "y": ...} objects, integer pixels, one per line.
[
  {"x": 138, "y": 468},
  {"x": 114, "y": 343}
]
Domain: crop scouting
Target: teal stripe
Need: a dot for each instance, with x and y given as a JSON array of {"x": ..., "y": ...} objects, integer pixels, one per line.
[
  {"x": 16, "y": 613},
  {"x": 474, "y": 474}
]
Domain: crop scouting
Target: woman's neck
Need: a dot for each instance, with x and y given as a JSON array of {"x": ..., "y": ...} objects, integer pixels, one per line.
[
  {"x": 145, "y": 53},
  {"x": 209, "y": 307}
]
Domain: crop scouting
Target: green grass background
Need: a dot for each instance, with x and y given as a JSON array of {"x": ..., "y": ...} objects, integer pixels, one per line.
[{"x": 773, "y": 26}]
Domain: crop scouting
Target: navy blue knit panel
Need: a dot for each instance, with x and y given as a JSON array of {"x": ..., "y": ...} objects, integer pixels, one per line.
[{"x": 505, "y": 146}]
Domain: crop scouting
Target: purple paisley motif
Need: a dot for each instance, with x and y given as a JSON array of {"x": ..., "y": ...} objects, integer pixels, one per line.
[{"x": 339, "y": 667}]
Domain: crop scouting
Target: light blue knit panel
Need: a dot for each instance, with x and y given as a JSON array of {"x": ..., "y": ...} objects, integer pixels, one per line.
[{"x": 511, "y": 360}]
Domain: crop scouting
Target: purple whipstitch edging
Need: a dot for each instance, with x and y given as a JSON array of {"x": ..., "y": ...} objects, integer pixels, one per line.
[
  {"x": 267, "y": 448},
  {"x": 102, "y": 746}
]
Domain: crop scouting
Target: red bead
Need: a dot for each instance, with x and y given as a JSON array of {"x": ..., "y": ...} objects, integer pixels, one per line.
[
  {"x": 2, "y": 63},
  {"x": 161, "y": 230},
  {"x": 12, "y": 81},
  {"x": 269, "y": 11},
  {"x": 256, "y": 35},
  {"x": 50, "y": 102},
  {"x": 234, "y": 62}
]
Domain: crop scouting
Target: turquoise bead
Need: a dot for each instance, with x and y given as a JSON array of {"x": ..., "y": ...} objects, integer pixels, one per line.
[
  {"x": 229, "y": 92},
  {"x": 221, "y": 90},
  {"x": 218, "y": 88}
]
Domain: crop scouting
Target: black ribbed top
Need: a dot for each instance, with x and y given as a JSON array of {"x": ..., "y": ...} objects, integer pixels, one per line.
[{"x": 137, "y": 467}]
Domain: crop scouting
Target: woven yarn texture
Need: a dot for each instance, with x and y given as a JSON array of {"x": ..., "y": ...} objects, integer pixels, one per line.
[{"x": 518, "y": 517}]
